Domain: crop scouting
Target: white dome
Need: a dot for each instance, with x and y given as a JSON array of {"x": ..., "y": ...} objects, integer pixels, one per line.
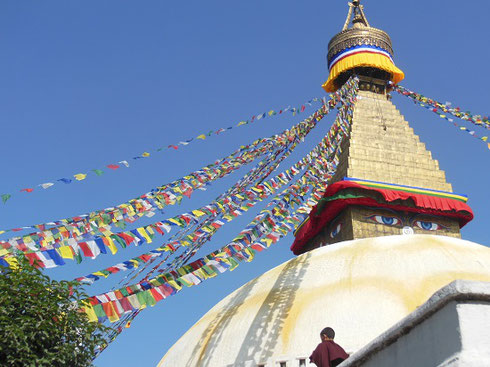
[{"x": 360, "y": 288}]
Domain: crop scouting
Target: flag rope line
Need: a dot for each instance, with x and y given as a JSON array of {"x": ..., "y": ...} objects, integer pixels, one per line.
[
  {"x": 442, "y": 110},
  {"x": 78, "y": 177}
]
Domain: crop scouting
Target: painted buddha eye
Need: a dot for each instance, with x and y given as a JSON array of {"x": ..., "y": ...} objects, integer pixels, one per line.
[
  {"x": 428, "y": 226},
  {"x": 336, "y": 230},
  {"x": 387, "y": 221}
]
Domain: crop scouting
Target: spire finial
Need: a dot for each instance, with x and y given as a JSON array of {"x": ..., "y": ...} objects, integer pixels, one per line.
[{"x": 359, "y": 17}]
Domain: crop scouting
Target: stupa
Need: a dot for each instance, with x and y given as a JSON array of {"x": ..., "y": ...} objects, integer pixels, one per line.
[{"x": 383, "y": 239}]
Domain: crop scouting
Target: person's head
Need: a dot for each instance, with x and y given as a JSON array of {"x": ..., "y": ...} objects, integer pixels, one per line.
[{"x": 327, "y": 334}]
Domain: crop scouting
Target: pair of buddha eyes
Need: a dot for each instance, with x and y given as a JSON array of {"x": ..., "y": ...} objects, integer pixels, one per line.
[{"x": 395, "y": 221}]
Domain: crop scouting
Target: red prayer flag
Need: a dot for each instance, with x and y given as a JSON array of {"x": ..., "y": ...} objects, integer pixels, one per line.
[
  {"x": 27, "y": 190},
  {"x": 113, "y": 166},
  {"x": 86, "y": 249}
]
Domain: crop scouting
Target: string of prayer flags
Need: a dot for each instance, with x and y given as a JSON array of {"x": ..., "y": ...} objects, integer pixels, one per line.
[
  {"x": 442, "y": 110},
  {"x": 146, "y": 154},
  {"x": 446, "y": 107}
]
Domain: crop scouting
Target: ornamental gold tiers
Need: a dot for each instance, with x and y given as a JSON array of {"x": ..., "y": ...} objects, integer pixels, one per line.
[{"x": 362, "y": 50}]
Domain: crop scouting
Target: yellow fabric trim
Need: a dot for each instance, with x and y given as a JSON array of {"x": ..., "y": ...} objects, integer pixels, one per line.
[
  {"x": 413, "y": 189},
  {"x": 363, "y": 59}
]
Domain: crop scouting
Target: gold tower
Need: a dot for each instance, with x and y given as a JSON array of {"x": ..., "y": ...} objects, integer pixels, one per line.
[{"x": 381, "y": 149}]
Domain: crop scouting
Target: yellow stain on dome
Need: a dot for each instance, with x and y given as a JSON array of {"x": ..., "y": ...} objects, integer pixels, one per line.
[{"x": 362, "y": 287}]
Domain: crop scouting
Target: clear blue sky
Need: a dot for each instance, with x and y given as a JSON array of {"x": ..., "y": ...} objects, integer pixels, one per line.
[{"x": 88, "y": 83}]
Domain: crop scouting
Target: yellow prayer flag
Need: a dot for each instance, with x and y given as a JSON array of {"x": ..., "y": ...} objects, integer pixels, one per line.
[
  {"x": 145, "y": 154},
  {"x": 114, "y": 317},
  {"x": 268, "y": 242},
  {"x": 202, "y": 136},
  {"x": 66, "y": 252},
  {"x": 110, "y": 243},
  {"x": 174, "y": 284},
  {"x": 89, "y": 310},
  {"x": 12, "y": 261},
  {"x": 135, "y": 262},
  {"x": 198, "y": 213},
  {"x": 100, "y": 274},
  {"x": 201, "y": 274},
  {"x": 150, "y": 230},
  {"x": 142, "y": 232},
  {"x": 175, "y": 221},
  {"x": 80, "y": 176},
  {"x": 242, "y": 123}
]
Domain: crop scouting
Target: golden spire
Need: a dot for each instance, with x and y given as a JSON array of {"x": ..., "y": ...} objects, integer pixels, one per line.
[
  {"x": 360, "y": 49},
  {"x": 359, "y": 16}
]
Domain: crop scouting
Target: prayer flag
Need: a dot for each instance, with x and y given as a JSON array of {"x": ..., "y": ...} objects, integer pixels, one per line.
[
  {"x": 46, "y": 185},
  {"x": 80, "y": 176},
  {"x": 5, "y": 197},
  {"x": 66, "y": 252}
]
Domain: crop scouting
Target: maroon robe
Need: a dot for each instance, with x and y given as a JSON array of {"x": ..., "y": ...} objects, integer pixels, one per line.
[{"x": 328, "y": 354}]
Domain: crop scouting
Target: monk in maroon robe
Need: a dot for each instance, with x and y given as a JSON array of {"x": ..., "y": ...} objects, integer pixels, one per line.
[{"x": 328, "y": 353}]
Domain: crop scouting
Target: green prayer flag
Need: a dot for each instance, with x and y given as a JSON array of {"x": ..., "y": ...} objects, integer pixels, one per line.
[
  {"x": 120, "y": 224},
  {"x": 124, "y": 292},
  {"x": 78, "y": 257},
  {"x": 99, "y": 311},
  {"x": 119, "y": 240},
  {"x": 5, "y": 197},
  {"x": 98, "y": 172},
  {"x": 141, "y": 298}
]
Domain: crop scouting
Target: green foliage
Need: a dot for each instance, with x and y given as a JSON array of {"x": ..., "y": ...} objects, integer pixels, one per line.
[{"x": 40, "y": 321}]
